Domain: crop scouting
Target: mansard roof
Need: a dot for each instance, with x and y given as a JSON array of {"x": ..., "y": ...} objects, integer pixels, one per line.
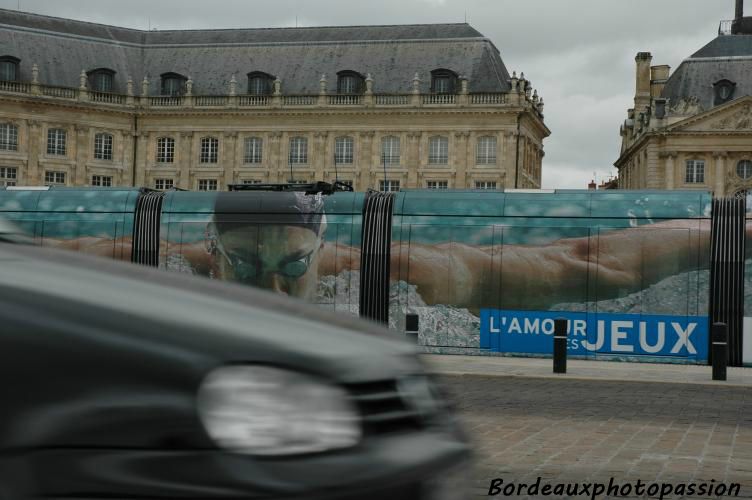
[
  {"x": 726, "y": 57},
  {"x": 298, "y": 56}
]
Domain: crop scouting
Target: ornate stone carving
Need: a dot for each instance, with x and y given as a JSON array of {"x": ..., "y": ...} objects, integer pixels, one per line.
[
  {"x": 186, "y": 135},
  {"x": 230, "y": 135},
  {"x": 742, "y": 119},
  {"x": 462, "y": 134},
  {"x": 687, "y": 106},
  {"x": 368, "y": 134}
]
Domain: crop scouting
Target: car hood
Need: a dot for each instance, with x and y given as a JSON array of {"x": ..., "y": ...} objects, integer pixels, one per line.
[{"x": 203, "y": 321}]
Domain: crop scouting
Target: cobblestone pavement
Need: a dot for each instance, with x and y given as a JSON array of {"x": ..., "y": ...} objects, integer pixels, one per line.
[{"x": 568, "y": 431}]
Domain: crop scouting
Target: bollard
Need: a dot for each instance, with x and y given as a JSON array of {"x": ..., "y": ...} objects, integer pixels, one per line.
[
  {"x": 720, "y": 350},
  {"x": 560, "y": 345}
]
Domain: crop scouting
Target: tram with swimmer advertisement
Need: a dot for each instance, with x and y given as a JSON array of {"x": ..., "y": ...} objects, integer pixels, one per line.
[{"x": 639, "y": 275}]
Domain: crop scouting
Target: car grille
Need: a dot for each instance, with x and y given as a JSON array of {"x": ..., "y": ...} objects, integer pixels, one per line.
[{"x": 383, "y": 409}]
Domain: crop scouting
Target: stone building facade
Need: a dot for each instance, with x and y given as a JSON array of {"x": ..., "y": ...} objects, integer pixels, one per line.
[
  {"x": 693, "y": 129},
  {"x": 382, "y": 107}
]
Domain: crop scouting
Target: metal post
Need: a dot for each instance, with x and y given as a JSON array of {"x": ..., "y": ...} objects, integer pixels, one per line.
[
  {"x": 720, "y": 350},
  {"x": 560, "y": 345}
]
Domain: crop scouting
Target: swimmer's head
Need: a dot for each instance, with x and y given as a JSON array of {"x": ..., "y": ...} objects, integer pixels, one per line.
[{"x": 277, "y": 247}]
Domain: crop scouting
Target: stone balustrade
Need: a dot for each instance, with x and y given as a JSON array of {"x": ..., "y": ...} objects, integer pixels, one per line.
[{"x": 263, "y": 101}]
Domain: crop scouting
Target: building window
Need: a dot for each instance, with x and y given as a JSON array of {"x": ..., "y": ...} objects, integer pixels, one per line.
[
  {"x": 297, "y": 181},
  {"x": 207, "y": 184},
  {"x": 9, "y": 68},
  {"x": 437, "y": 184},
  {"x": 8, "y": 137},
  {"x": 723, "y": 91},
  {"x": 101, "y": 180},
  {"x": 486, "y": 151},
  {"x": 390, "y": 150},
  {"x": 343, "y": 150},
  {"x": 443, "y": 81},
  {"x": 389, "y": 185},
  {"x": 165, "y": 150},
  {"x": 254, "y": 150},
  {"x": 744, "y": 169},
  {"x": 56, "y": 141},
  {"x": 485, "y": 184},
  {"x": 54, "y": 178},
  {"x": 163, "y": 184},
  {"x": 103, "y": 147},
  {"x": 259, "y": 83},
  {"x": 298, "y": 150},
  {"x": 346, "y": 182},
  {"x": 251, "y": 181},
  {"x": 438, "y": 150},
  {"x": 173, "y": 84},
  {"x": 209, "y": 150},
  {"x": 100, "y": 80},
  {"x": 350, "y": 82},
  {"x": 8, "y": 176},
  {"x": 695, "y": 172}
]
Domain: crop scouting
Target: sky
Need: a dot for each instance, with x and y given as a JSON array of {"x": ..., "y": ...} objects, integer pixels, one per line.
[{"x": 579, "y": 54}]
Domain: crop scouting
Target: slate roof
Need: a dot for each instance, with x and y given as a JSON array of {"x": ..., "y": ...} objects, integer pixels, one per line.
[
  {"x": 298, "y": 56},
  {"x": 726, "y": 57}
]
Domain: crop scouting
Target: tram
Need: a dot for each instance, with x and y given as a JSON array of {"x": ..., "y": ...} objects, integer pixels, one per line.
[{"x": 639, "y": 275}]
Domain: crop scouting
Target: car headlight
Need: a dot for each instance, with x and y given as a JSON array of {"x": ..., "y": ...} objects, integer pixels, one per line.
[{"x": 262, "y": 410}]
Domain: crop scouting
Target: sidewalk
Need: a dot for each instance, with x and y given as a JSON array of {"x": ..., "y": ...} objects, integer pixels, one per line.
[{"x": 582, "y": 369}]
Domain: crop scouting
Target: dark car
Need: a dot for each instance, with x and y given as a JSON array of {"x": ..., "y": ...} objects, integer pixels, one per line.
[{"x": 121, "y": 381}]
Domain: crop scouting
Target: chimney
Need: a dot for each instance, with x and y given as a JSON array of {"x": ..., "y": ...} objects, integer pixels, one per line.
[
  {"x": 658, "y": 79},
  {"x": 739, "y": 9},
  {"x": 642, "y": 81}
]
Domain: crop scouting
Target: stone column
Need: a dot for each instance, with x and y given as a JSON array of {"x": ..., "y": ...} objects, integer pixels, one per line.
[
  {"x": 228, "y": 159},
  {"x": 320, "y": 158},
  {"x": 508, "y": 161},
  {"x": 361, "y": 182},
  {"x": 460, "y": 158},
  {"x": 414, "y": 158},
  {"x": 82, "y": 155},
  {"x": 670, "y": 168},
  {"x": 125, "y": 154},
  {"x": 33, "y": 152},
  {"x": 142, "y": 158},
  {"x": 184, "y": 160},
  {"x": 719, "y": 172}
]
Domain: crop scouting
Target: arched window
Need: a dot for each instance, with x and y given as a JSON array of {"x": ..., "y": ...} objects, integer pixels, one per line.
[
  {"x": 103, "y": 147},
  {"x": 173, "y": 84},
  {"x": 438, "y": 150},
  {"x": 9, "y": 68},
  {"x": 8, "y": 137},
  {"x": 260, "y": 83},
  {"x": 350, "y": 82},
  {"x": 343, "y": 150},
  {"x": 486, "y": 151},
  {"x": 390, "y": 150},
  {"x": 254, "y": 150},
  {"x": 724, "y": 91},
  {"x": 744, "y": 169},
  {"x": 101, "y": 79},
  {"x": 165, "y": 150},
  {"x": 443, "y": 81},
  {"x": 209, "y": 150},
  {"x": 298, "y": 150}
]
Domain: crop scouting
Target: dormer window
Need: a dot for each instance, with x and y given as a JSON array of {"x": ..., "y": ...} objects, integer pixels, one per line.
[
  {"x": 350, "y": 82},
  {"x": 101, "y": 80},
  {"x": 443, "y": 81},
  {"x": 260, "y": 83},
  {"x": 9, "y": 68},
  {"x": 724, "y": 91},
  {"x": 173, "y": 84}
]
